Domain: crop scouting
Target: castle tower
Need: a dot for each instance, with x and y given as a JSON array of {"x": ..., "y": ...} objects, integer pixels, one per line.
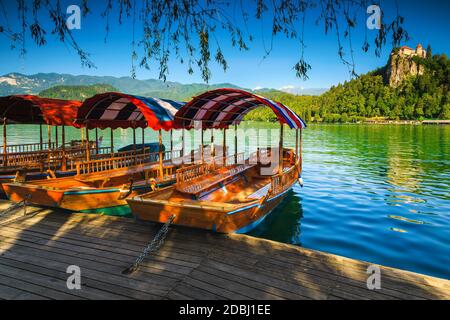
[{"x": 420, "y": 52}]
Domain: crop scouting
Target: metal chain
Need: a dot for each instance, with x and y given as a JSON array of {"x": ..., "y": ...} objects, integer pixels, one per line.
[
  {"x": 18, "y": 205},
  {"x": 152, "y": 247}
]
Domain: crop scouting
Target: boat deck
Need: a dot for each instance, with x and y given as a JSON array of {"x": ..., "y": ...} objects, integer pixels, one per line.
[{"x": 36, "y": 249}]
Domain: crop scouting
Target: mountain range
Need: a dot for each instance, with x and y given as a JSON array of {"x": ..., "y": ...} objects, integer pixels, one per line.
[{"x": 17, "y": 83}]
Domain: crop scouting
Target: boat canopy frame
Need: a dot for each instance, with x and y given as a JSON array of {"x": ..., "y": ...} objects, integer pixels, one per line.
[{"x": 222, "y": 108}]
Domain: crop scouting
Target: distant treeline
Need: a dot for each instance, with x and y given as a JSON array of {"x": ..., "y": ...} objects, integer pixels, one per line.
[
  {"x": 418, "y": 97},
  {"x": 368, "y": 96},
  {"x": 76, "y": 92}
]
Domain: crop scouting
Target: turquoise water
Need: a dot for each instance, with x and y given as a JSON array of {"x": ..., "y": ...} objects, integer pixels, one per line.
[{"x": 375, "y": 193}]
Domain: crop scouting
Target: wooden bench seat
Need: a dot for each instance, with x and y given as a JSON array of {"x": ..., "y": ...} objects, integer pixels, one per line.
[
  {"x": 260, "y": 193},
  {"x": 200, "y": 185}
]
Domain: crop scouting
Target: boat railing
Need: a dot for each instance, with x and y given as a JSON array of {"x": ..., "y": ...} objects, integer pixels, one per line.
[
  {"x": 283, "y": 181},
  {"x": 186, "y": 174},
  {"x": 119, "y": 160},
  {"x": 27, "y": 147}
]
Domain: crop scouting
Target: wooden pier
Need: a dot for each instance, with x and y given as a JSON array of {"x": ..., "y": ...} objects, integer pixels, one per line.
[{"x": 36, "y": 249}]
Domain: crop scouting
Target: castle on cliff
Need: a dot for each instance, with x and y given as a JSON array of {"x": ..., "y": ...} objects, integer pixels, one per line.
[{"x": 409, "y": 52}]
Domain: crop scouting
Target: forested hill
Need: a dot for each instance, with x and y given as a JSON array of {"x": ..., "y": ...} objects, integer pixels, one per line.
[
  {"x": 370, "y": 96},
  {"x": 76, "y": 92},
  {"x": 416, "y": 96},
  {"x": 419, "y": 96}
]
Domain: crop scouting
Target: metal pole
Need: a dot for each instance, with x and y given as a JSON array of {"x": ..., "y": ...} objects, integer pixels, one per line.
[
  {"x": 49, "y": 134},
  {"x": 112, "y": 142},
  {"x": 171, "y": 143},
  {"x": 224, "y": 146},
  {"x": 161, "y": 170},
  {"x": 235, "y": 143},
  {"x": 201, "y": 147},
  {"x": 213, "y": 149},
  {"x": 63, "y": 158},
  {"x": 134, "y": 144},
  {"x": 296, "y": 144},
  {"x": 56, "y": 137},
  {"x": 41, "y": 139},
  {"x": 182, "y": 142},
  {"x": 88, "y": 147},
  {"x": 301, "y": 150},
  {"x": 280, "y": 158},
  {"x": 96, "y": 140},
  {"x": 143, "y": 144},
  {"x": 5, "y": 153}
]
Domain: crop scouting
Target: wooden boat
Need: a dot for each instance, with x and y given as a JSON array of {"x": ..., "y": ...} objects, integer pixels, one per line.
[
  {"x": 98, "y": 189},
  {"x": 235, "y": 198},
  {"x": 232, "y": 195},
  {"x": 101, "y": 183}
]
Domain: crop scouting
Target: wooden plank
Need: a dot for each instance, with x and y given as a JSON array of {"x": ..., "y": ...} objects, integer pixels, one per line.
[
  {"x": 87, "y": 292},
  {"x": 191, "y": 265},
  {"x": 153, "y": 264},
  {"x": 9, "y": 293},
  {"x": 151, "y": 283},
  {"x": 364, "y": 283}
]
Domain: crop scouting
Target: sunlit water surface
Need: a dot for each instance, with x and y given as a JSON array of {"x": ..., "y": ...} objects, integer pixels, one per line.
[{"x": 375, "y": 193}]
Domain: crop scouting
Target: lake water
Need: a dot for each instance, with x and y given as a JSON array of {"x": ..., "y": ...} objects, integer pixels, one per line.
[{"x": 375, "y": 193}]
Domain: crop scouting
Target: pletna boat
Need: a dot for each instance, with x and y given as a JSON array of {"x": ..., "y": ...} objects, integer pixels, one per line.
[
  {"x": 232, "y": 194},
  {"x": 101, "y": 183}
]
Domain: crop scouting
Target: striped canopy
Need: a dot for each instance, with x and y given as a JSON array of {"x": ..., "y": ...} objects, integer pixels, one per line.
[
  {"x": 29, "y": 109},
  {"x": 221, "y": 108},
  {"x": 119, "y": 110}
]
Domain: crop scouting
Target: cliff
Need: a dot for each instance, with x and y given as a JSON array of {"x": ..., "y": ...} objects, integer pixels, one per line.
[{"x": 400, "y": 66}]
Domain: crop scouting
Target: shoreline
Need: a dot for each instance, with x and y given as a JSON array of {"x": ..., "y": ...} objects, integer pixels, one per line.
[{"x": 373, "y": 122}]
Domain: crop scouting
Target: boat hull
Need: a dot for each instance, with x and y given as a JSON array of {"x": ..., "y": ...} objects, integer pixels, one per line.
[
  {"x": 73, "y": 199},
  {"x": 240, "y": 220}
]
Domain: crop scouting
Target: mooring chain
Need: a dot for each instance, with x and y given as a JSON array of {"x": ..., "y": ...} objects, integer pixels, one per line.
[
  {"x": 15, "y": 206},
  {"x": 152, "y": 247}
]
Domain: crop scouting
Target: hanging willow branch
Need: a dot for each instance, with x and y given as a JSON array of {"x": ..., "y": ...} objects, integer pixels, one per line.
[{"x": 195, "y": 31}]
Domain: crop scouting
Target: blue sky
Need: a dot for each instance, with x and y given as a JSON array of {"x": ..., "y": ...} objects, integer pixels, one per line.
[{"x": 426, "y": 21}]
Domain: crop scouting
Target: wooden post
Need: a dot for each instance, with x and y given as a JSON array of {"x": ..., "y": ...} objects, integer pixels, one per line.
[
  {"x": 280, "y": 169},
  {"x": 41, "y": 139},
  {"x": 224, "y": 147},
  {"x": 5, "y": 153},
  {"x": 161, "y": 170},
  {"x": 112, "y": 142},
  {"x": 63, "y": 157},
  {"x": 96, "y": 141},
  {"x": 235, "y": 144}
]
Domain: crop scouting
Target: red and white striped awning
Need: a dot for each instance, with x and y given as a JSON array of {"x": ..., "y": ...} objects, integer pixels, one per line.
[
  {"x": 120, "y": 110},
  {"x": 29, "y": 109},
  {"x": 221, "y": 108}
]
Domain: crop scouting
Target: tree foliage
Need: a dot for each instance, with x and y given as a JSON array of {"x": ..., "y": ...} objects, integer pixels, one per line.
[
  {"x": 76, "y": 92},
  {"x": 192, "y": 30},
  {"x": 423, "y": 96}
]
